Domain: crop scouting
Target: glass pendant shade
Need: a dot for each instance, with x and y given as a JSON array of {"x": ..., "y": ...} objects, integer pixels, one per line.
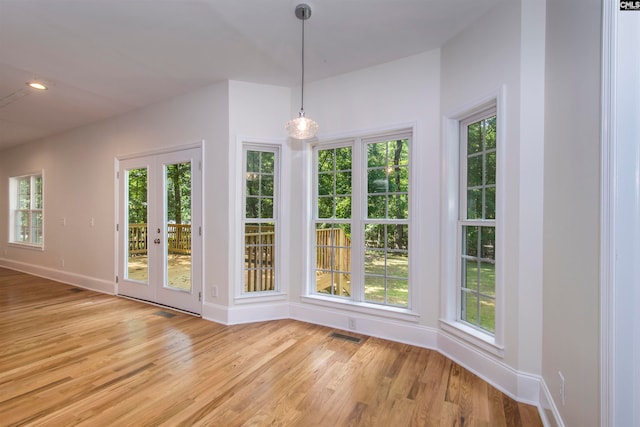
[{"x": 301, "y": 127}]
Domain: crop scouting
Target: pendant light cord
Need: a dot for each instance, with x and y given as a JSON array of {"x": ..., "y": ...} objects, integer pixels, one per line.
[{"x": 302, "y": 90}]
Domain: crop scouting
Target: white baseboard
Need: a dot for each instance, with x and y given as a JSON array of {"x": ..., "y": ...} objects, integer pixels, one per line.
[
  {"x": 547, "y": 407},
  {"x": 520, "y": 386},
  {"x": 215, "y": 313},
  {"x": 385, "y": 328},
  {"x": 86, "y": 282},
  {"x": 246, "y": 313}
]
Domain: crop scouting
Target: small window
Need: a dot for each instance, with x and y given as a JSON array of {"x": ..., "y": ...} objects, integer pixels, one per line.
[
  {"x": 260, "y": 223},
  {"x": 473, "y": 207},
  {"x": 26, "y": 210},
  {"x": 477, "y": 221}
]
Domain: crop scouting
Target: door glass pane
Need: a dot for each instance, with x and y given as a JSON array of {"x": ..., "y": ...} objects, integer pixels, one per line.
[
  {"x": 137, "y": 255},
  {"x": 178, "y": 225}
]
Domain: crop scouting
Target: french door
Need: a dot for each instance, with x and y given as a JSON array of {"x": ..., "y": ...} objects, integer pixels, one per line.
[{"x": 159, "y": 229}]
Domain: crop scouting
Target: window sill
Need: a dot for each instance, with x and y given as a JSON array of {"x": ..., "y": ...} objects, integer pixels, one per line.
[
  {"x": 473, "y": 336},
  {"x": 258, "y": 297},
  {"x": 363, "y": 307},
  {"x": 26, "y": 246}
]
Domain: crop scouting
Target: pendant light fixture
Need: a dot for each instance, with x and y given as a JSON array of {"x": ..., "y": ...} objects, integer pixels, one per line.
[{"x": 302, "y": 127}]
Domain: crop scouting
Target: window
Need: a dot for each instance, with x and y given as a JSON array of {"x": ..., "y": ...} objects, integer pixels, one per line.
[
  {"x": 477, "y": 221},
  {"x": 472, "y": 223},
  {"x": 333, "y": 224},
  {"x": 26, "y": 215},
  {"x": 361, "y": 220},
  {"x": 260, "y": 224}
]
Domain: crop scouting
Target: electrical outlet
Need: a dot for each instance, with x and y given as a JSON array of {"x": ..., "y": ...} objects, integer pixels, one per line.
[
  {"x": 352, "y": 323},
  {"x": 214, "y": 291},
  {"x": 63, "y": 221},
  {"x": 561, "y": 387},
  {"x": 92, "y": 222},
  {"x": 62, "y": 262}
]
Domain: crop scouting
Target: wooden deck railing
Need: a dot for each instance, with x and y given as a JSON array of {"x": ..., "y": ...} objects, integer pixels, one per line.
[
  {"x": 341, "y": 244},
  {"x": 179, "y": 239},
  {"x": 138, "y": 239},
  {"x": 332, "y": 254},
  {"x": 259, "y": 260}
]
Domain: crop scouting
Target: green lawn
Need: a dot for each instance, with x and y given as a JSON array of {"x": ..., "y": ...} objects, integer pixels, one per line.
[
  {"x": 485, "y": 283},
  {"x": 397, "y": 274},
  {"x": 396, "y": 283}
]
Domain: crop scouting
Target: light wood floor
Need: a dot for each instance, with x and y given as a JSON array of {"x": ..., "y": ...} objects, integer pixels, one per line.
[{"x": 76, "y": 357}]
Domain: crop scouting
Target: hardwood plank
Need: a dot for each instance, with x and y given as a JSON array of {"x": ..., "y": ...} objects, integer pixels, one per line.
[{"x": 76, "y": 357}]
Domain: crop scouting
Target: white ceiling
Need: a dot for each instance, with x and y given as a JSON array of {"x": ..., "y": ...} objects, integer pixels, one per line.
[{"x": 105, "y": 57}]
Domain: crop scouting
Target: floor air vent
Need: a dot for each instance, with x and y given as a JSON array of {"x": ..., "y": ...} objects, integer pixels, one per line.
[
  {"x": 76, "y": 290},
  {"x": 346, "y": 337},
  {"x": 163, "y": 313}
]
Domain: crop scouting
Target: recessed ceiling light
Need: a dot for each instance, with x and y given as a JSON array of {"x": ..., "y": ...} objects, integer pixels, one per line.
[{"x": 37, "y": 85}]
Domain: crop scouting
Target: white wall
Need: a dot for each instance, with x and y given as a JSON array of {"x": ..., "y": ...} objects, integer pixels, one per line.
[
  {"x": 480, "y": 60},
  {"x": 531, "y": 170},
  {"x": 571, "y": 209},
  {"x": 258, "y": 111},
  {"x": 257, "y": 114},
  {"x": 79, "y": 185}
]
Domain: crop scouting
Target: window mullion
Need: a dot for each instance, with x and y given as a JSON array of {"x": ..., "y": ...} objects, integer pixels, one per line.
[
  {"x": 358, "y": 216},
  {"x": 32, "y": 182},
  {"x": 483, "y": 127},
  {"x": 462, "y": 214},
  {"x": 478, "y": 274}
]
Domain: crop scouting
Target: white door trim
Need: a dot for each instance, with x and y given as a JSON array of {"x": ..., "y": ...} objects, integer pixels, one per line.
[
  {"x": 620, "y": 218},
  {"x": 607, "y": 383}
]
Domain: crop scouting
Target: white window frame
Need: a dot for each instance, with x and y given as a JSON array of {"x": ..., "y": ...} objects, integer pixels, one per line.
[
  {"x": 279, "y": 290},
  {"x": 13, "y": 208},
  {"x": 451, "y": 238},
  {"x": 463, "y": 220},
  {"x": 358, "y": 220}
]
